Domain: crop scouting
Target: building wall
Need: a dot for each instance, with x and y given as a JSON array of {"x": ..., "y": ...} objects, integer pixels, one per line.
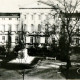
[
  {"x": 9, "y": 22},
  {"x": 31, "y": 20},
  {"x": 35, "y": 20}
]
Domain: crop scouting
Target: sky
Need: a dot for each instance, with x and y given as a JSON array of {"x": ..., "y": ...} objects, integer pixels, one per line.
[{"x": 13, "y": 5}]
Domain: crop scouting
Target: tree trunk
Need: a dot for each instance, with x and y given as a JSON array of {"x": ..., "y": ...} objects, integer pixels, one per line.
[
  {"x": 68, "y": 55},
  {"x": 68, "y": 62}
]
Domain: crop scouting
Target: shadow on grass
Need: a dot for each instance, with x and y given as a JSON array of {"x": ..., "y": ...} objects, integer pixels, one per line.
[
  {"x": 69, "y": 74},
  {"x": 15, "y": 66}
]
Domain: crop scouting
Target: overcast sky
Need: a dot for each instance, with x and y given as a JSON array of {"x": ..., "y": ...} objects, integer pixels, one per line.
[{"x": 13, "y": 5}]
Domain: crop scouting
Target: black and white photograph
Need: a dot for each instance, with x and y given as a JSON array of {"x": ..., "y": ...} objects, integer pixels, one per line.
[{"x": 39, "y": 39}]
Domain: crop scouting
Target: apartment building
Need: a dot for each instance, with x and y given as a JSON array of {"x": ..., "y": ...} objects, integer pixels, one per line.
[
  {"x": 9, "y": 26},
  {"x": 75, "y": 27},
  {"x": 35, "y": 17},
  {"x": 32, "y": 21}
]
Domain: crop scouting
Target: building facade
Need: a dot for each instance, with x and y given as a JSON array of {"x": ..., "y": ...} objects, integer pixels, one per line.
[
  {"x": 9, "y": 26},
  {"x": 35, "y": 18},
  {"x": 31, "y": 24}
]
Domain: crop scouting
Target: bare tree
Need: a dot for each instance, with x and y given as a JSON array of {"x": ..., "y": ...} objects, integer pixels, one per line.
[{"x": 66, "y": 11}]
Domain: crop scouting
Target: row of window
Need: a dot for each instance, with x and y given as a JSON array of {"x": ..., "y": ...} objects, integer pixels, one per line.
[
  {"x": 4, "y": 28},
  {"x": 39, "y": 17},
  {"x": 76, "y": 41},
  {"x": 15, "y": 39},
  {"x": 10, "y": 19},
  {"x": 32, "y": 27},
  {"x": 28, "y": 39},
  {"x": 37, "y": 40},
  {"x": 16, "y": 27}
]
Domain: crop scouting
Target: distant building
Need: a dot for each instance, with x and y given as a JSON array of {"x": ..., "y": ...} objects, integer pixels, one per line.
[
  {"x": 35, "y": 17},
  {"x": 75, "y": 17},
  {"x": 9, "y": 25},
  {"x": 31, "y": 24}
]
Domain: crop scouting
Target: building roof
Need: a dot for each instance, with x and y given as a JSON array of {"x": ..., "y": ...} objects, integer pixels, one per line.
[
  {"x": 9, "y": 14},
  {"x": 36, "y": 5},
  {"x": 71, "y": 15}
]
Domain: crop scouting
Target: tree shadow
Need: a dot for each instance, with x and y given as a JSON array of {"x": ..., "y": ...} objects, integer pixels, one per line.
[
  {"x": 69, "y": 74},
  {"x": 15, "y": 66}
]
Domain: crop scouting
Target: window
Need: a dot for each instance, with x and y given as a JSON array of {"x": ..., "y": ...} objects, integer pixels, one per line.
[
  {"x": 10, "y": 27},
  {"x": 3, "y": 27},
  {"x": 28, "y": 39},
  {"x": 39, "y": 27},
  {"x": 24, "y": 24},
  {"x": 32, "y": 27},
  {"x": 39, "y": 17},
  {"x": 73, "y": 41},
  {"x": 10, "y": 18},
  {"x": 32, "y": 17},
  {"x": 42, "y": 39},
  {"x": 38, "y": 39},
  {"x": 17, "y": 19},
  {"x": 31, "y": 40},
  {"x": 3, "y": 18},
  {"x": 17, "y": 26},
  {"x": 16, "y": 39},
  {"x": 77, "y": 41},
  {"x": 25, "y": 16},
  {"x": 34, "y": 40},
  {"x": 25, "y": 27},
  {"x": 3, "y": 37}
]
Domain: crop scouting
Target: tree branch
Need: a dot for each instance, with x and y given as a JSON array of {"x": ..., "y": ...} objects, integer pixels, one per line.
[{"x": 74, "y": 26}]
